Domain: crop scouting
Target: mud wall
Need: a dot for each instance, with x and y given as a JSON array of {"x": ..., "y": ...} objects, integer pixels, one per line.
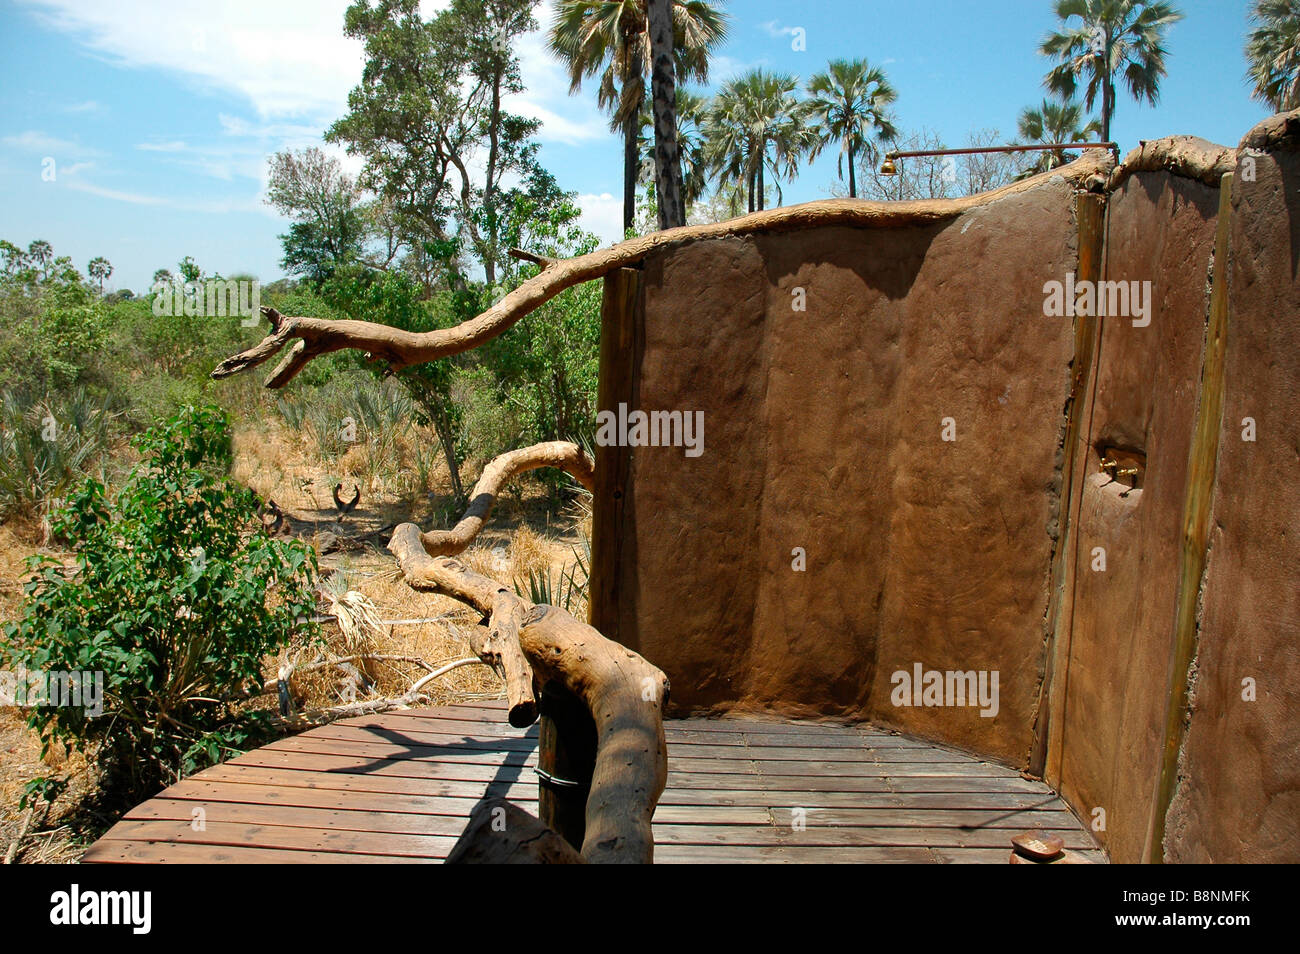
[
  {"x": 1117, "y": 631},
  {"x": 1238, "y": 795},
  {"x": 829, "y": 536},
  {"x": 826, "y": 363}
]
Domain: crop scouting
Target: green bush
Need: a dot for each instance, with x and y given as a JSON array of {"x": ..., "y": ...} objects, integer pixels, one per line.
[{"x": 177, "y": 595}]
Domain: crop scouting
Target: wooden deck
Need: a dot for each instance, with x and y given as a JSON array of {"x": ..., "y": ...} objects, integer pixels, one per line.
[{"x": 399, "y": 787}]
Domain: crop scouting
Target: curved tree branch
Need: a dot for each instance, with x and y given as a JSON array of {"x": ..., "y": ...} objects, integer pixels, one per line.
[
  {"x": 563, "y": 455},
  {"x": 625, "y": 694},
  {"x": 400, "y": 349}
]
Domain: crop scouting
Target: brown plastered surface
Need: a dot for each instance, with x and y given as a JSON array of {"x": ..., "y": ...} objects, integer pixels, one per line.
[
  {"x": 1160, "y": 230},
  {"x": 823, "y": 432},
  {"x": 1238, "y": 794}
]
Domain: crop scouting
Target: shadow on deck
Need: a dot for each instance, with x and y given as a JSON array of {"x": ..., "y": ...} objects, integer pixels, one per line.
[{"x": 399, "y": 787}]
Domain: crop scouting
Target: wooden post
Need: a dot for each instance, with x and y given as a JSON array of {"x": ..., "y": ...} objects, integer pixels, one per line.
[
  {"x": 1202, "y": 466},
  {"x": 1090, "y": 216},
  {"x": 620, "y": 335},
  {"x": 566, "y": 761}
]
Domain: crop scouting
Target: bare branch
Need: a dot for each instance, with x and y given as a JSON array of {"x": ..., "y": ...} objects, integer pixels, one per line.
[
  {"x": 494, "y": 646},
  {"x": 563, "y": 455},
  {"x": 523, "y": 256},
  {"x": 400, "y": 349},
  {"x": 625, "y": 694}
]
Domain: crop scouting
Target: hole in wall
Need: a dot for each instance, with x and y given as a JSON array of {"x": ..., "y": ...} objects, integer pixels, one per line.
[{"x": 1122, "y": 470}]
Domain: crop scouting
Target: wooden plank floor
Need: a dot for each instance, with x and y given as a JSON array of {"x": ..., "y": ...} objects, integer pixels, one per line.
[{"x": 398, "y": 787}]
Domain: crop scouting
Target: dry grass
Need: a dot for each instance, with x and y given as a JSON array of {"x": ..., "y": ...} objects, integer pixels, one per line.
[{"x": 434, "y": 642}]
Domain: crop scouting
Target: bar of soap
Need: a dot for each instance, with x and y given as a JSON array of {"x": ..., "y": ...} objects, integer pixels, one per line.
[{"x": 1038, "y": 844}]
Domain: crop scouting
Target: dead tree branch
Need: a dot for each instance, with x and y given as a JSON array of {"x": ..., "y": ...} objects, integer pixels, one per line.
[
  {"x": 624, "y": 693},
  {"x": 400, "y": 349},
  {"x": 563, "y": 455}
]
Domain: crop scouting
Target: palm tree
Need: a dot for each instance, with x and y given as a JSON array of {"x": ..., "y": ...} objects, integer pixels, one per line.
[
  {"x": 609, "y": 39},
  {"x": 691, "y": 110},
  {"x": 663, "y": 98},
  {"x": 99, "y": 269},
  {"x": 1052, "y": 122},
  {"x": 40, "y": 252},
  {"x": 1112, "y": 37},
  {"x": 756, "y": 124},
  {"x": 1273, "y": 52},
  {"x": 850, "y": 101}
]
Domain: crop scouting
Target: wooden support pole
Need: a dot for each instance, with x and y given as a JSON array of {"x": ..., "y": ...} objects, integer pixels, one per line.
[
  {"x": 620, "y": 335},
  {"x": 1090, "y": 216},
  {"x": 566, "y": 761},
  {"x": 1203, "y": 461}
]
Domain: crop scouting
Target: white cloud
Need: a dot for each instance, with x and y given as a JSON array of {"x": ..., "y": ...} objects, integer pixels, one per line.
[
  {"x": 116, "y": 194},
  {"x": 35, "y": 141},
  {"x": 219, "y": 206},
  {"x": 287, "y": 58},
  {"x": 602, "y": 214},
  {"x": 175, "y": 145},
  {"x": 290, "y": 60},
  {"x": 774, "y": 29},
  {"x": 89, "y": 106}
]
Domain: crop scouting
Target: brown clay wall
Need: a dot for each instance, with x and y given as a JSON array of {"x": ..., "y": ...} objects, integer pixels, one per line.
[
  {"x": 1118, "y": 632},
  {"x": 1238, "y": 795},
  {"x": 823, "y": 432}
]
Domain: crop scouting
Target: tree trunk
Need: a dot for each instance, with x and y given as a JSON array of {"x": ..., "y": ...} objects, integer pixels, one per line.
[
  {"x": 490, "y": 188},
  {"x": 630, "y": 130},
  {"x": 663, "y": 82},
  {"x": 1107, "y": 94},
  {"x": 758, "y": 191},
  {"x": 448, "y": 441},
  {"x": 853, "y": 178}
]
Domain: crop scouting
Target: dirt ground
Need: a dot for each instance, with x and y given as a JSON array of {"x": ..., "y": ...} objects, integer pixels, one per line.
[{"x": 527, "y": 534}]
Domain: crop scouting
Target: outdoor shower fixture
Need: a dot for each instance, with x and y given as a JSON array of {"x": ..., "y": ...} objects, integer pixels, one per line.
[{"x": 889, "y": 168}]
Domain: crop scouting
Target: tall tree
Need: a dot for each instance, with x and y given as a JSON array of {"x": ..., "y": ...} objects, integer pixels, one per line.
[
  {"x": 850, "y": 100},
  {"x": 1100, "y": 39},
  {"x": 663, "y": 86},
  {"x": 609, "y": 39},
  {"x": 40, "y": 253},
  {"x": 325, "y": 202},
  {"x": 99, "y": 269},
  {"x": 689, "y": 116},
  {"x": 430, "y": 112},
  {"x": 758, "y": 125},
  {"x": 1273, "y": 53},
  {"x": 1052, "y": 122}
]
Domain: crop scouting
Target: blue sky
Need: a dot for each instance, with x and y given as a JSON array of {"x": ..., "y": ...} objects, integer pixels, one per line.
[{"x": 160, "y": 114}]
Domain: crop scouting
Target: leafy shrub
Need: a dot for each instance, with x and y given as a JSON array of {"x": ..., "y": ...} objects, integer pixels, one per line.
[{"x": 177, "y": 595}]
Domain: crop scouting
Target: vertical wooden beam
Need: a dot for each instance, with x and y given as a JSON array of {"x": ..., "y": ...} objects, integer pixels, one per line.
[
  {"x": 566, "y": 762},
  {"x": 1090, "y": 219},
  {"x": 1203, "y": 461},
  {"x": 621, "y": 314}
]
